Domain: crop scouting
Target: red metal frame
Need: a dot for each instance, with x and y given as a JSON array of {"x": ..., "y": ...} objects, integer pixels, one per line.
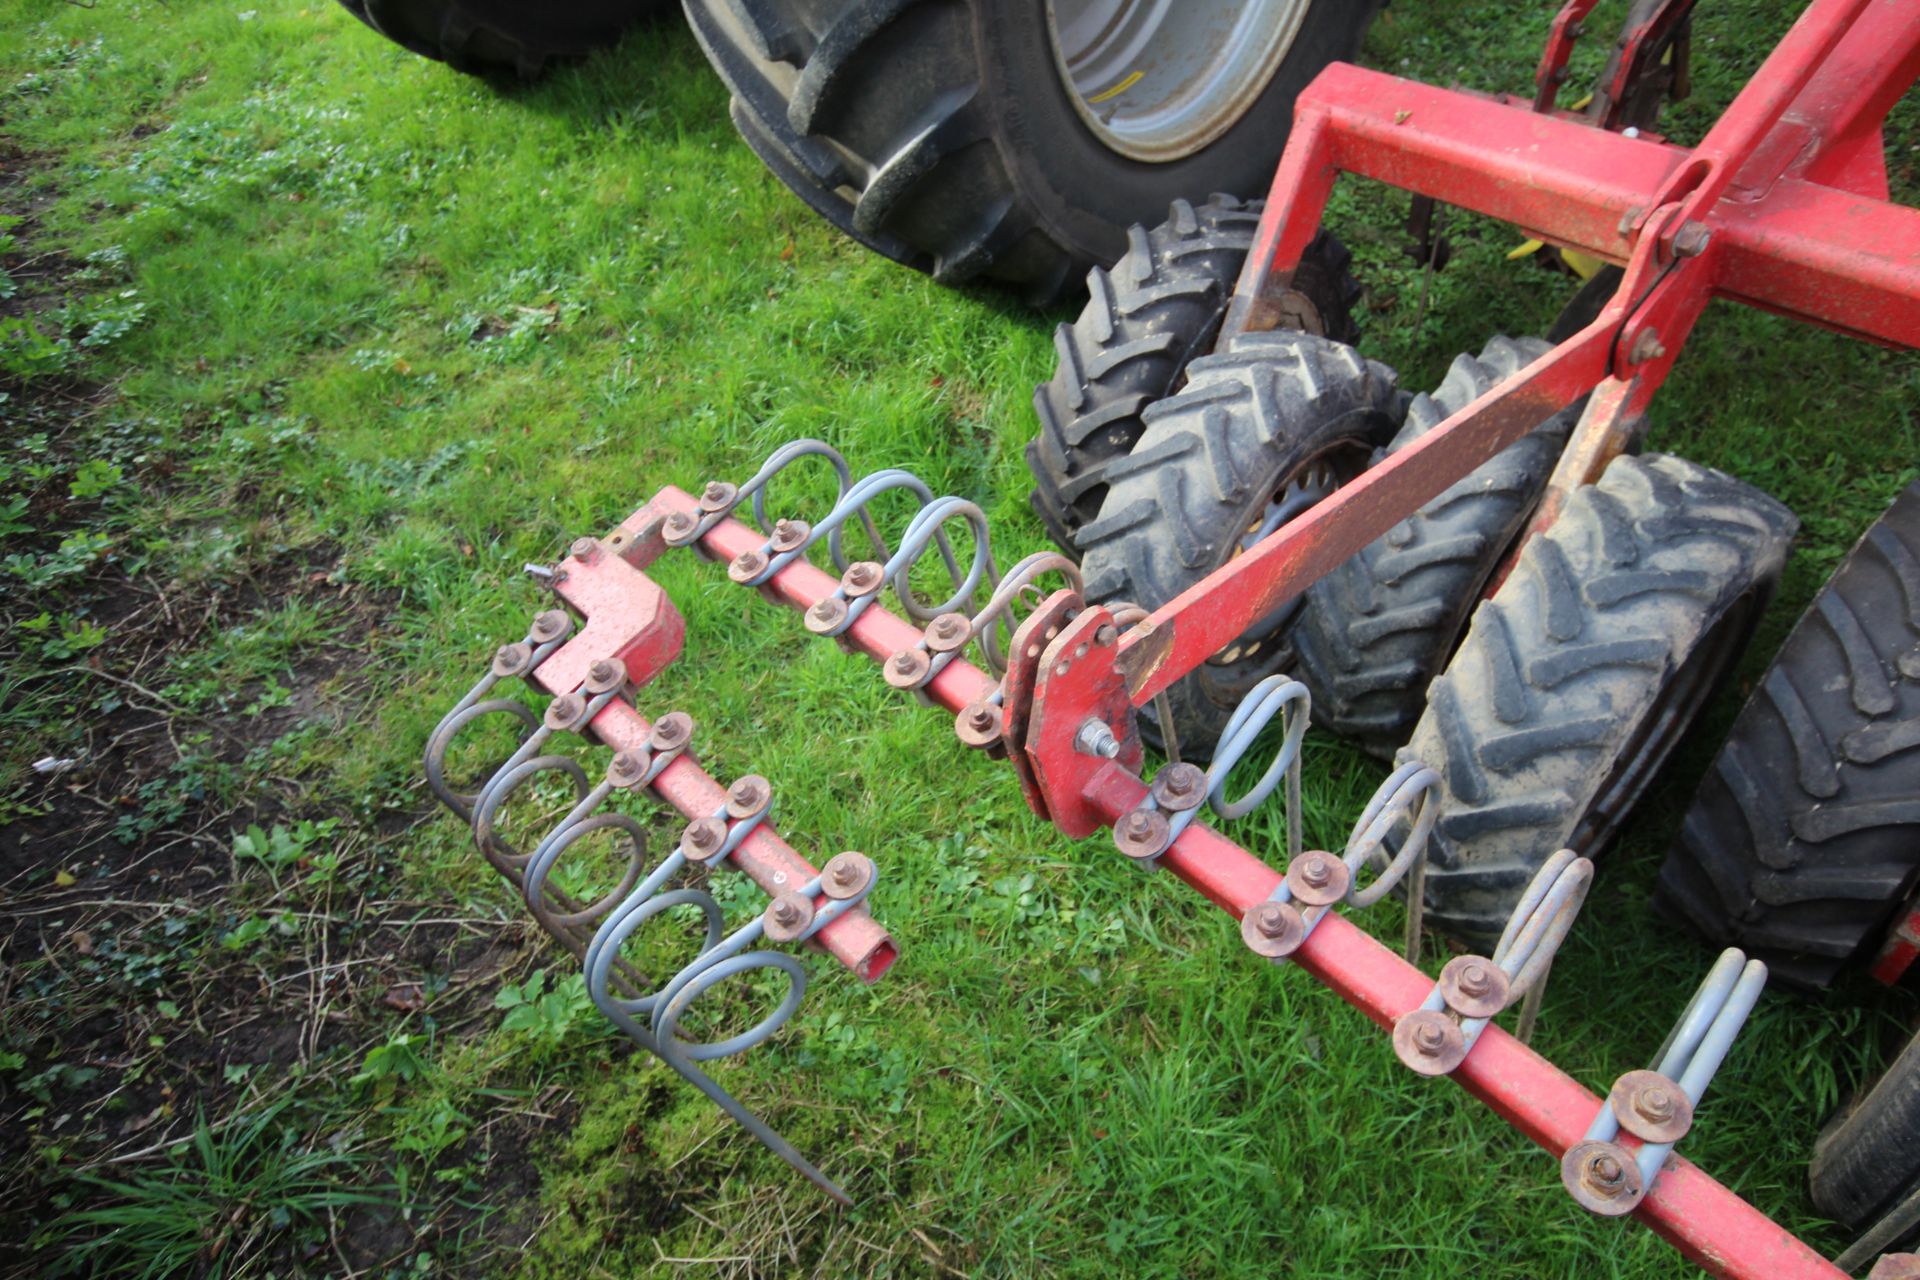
[{"x": 1782, "y": 206}]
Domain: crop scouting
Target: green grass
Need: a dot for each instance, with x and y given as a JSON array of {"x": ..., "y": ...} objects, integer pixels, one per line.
[{"x": 358, "y": 337}]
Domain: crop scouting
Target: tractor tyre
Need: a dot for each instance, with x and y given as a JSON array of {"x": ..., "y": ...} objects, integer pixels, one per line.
[
  {"x": 498, "y": 39},
  {"x": 1146, "y": 318},
  {"x": 1581, "y": 673},
  {"x": 1868, "y": 1156},
  {"x": 1259, "y": 434},
  {"x": 1804, "y": 839},
  {"x": 1375, "y": 631},
  {"x": 1015, "y": 141}
]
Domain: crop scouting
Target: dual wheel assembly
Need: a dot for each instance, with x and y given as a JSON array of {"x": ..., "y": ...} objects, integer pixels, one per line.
[{"x": 1546, "y": 679}]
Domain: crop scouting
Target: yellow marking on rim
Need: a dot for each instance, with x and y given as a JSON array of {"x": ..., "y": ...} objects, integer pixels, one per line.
[{"x": 1118, "y": 89}]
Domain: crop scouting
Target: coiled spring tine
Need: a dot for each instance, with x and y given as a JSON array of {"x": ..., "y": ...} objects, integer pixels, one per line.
[
  {"x": 486, "y": 814},
  {"x": 854, "y": 501},
  {"x": 929, "y": 526},
  {"x": 720, "y": 501},
  {"x": 997, "y": 612},
  {"x": 547, "y": 632},
  {"x": 1657, "y": 1106},
  {"x": 1411, "y": 783}
]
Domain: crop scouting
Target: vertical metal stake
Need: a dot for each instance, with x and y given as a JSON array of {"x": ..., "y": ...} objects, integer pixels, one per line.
[{"x": 1416, "y": 907}]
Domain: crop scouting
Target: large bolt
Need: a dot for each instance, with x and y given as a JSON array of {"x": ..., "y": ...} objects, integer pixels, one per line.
[
  {"x": 585, "y": 550},
  {"x": 1690, "y": 241},
  {"x": 790, "y": 535},
  {"x": 1315, "y": 871},
  {"x": 626, "y": 768},
  {"x": 1180, "y": 783},
  {"x": 1136, "y": 824},
  {"x": 565, "y": 711},
  {"x": 1096, "y": 739},
  {"x": 718, "y": 495},
  {"x": 511, "y": 660},
  {"x": 550, "y": 624},
  {"x": 747, "y": 566},
  {"x": 1475, "y": 980},
  {"x": 861, "y": 577},
  {"x": 671, "y": 731},
  {"x": 1605, "y": 1174},
  {"x": 1646, "y": 346},
  {"x": 1654, "y": 1102},
  {"x": 1429, "y": 1039},
  {"x": 948, "y": 631}
]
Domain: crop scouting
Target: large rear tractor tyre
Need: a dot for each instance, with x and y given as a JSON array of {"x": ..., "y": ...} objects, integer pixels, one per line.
[
  {"x": 498, "y": 38},
  {"x": 1260, "y": 434},
  {"x": 1015, "y": 141},
  {"x": 1804, "y": 839},
  {"x": 1156, "y": 310},
  {"x": 1868, "y": 1156},
  {"x": 1376, "y": 630},
  {"x": 1583, "y": 671}
]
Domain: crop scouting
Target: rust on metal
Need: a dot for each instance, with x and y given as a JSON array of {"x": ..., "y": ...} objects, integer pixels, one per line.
[
  {"x": 551, "y": 624},
  {"x": 671, "y": 732},
  {"x": 948, "y": 632},
  {"x": 749, "y": 797},
  {"x": 511, "y": 660},
  {"x": 703, "y": 838},
  {"x": 907, "y": 668},
  {"x": 1141, "y": 834},
  {"x": 846, "y": 875},
  {"x": 747, "y": 566},
  {"x": 627, "y": 769},
  {"x": 1474, "y": 986},
  {"x": 604, "y": 675},
  {"x": 1318, "y": 879},
  {"x": 1272, "y": 929},
  {"x": 825, "y": 616},
  {"x": 565, "y": 713},
  {"x": 1602, "y": 1178},
  {"x": 978, "y": 724},
  {"x": 1651, "y": 1107},
  {"x": 790, "y": 535},
  {"x": 1179, "y": 787},
  {"x": 1428, "y": 1042},
  {"x": 787, "y": 917},
  {"x": 863, "y": 578}
]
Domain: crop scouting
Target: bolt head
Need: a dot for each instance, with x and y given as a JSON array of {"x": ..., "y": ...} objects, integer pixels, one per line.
[
  {"x": 718, "y": 495},
  {"x": 585, "y": 549},
  {"x": 1474, "y": 979},
  {"x": 671, "y": 731},
  {"x": 604, "y": 675},
  {"x": 1315, "y": 870},
  {"x": 703, "y": 838},
  {"x": 511, "y": 660},
  {"x": 550, "y": 624},
  {"x": 626, "y": 767},
  {"x": 1141, "y": 833},
  {"x": 1428, "y": 1042},
  {"x": 714, "y": 491},
  {"x": 749, "y": 796},
  {"x": 861, "y": 577},
  {"x": 787, "y": 917},
  {"x": 1272, "y": 930},
  {"x": 1602, "y": 1178},
  {"x": 847, "y": 875},
  {"x": 1650, "y": 1107}
]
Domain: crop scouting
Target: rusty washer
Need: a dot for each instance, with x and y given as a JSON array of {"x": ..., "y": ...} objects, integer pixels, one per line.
[
  {"x": 718, "y": 496},
  {"x": 550, "y": 624},
  {"x": 627, "y": 768},
  {"x": 907, "y": 668},
  {"x": 1142, "y": 833},
  {"x": 863, "y": 578},
  {"x": 671, "y": 732},
  {"x": 826, "y": 615},
  {"x": 703, "y": 837},
  {"x": 978, "y": 724},
  {"x": 678, "y": 528},
  {"x": 1428, "y": 1042},
  {"x": 585, "y": 550},
  {"x": 604, "y": 676},
  {"x": 948, "y": 632},
  {"x": 566, "y": 713},
  {"x": 1273, "y": 929},
  {"x": 790, "y": 535},
  {"x": 1474, "y": 986},
  {"x": 747, "y": 566},
  {"x": 1179, "y": 787},
  {"x": 846, "y": 875},
  {"x": 749, "y": 797},
  {"x": 788, "y": 916},
  {"x": 1651, "y": 1107},
  {"x": 1318, "y": 879},
  {"x": 511, "y": 660},
  {"x": 1602, "y": 1177}
]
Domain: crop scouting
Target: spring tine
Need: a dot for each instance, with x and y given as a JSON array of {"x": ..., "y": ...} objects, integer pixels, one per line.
[
  {"x": 1524, "y": 910},
  {"x": 1548, "y": 918},
  {"x": 1269, "y": 698},
  {"x": 441, "y": 742},
  {"x": 1708, "y": 998},
  {"x": 504, "y": 856},
  {"x": 998, "y": 610},
  {"x": 929, "y": 525}
]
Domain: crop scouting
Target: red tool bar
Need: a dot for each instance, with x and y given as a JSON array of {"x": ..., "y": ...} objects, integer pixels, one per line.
[
  {"x": 876, "y": 633},
  {"x": 1703, "y": 1219}
]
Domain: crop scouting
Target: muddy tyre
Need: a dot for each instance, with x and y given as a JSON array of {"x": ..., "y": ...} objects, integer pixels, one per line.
[
  {"x": 1375, "y": 631},
  {"x": 1578, "y": 677},
  {"x": 1146, "y": 319},
  {"x": 500, "y": 39},
  {"x": 1259, "y": 434},
  {"x": 1868, "y": 1156},
  {"x": 1804, "y": 839},
  {"x": 955, "y": 136}
]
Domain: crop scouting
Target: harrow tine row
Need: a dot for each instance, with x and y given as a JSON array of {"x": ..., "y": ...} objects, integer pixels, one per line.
[
  {"x": 595, "y": 932},
  {"x": 995, "y": 665}
]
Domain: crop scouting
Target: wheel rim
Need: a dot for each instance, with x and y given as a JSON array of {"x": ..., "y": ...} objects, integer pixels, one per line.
[
  {"x": 1307, "y": 484},
  {"x": 1157, "y": 80},
  {"x": 1660, "y": 731}
]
